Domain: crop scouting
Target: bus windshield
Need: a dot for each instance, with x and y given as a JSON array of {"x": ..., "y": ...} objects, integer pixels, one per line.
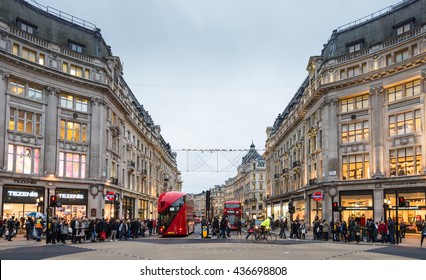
[
  {"x": 167, "y": 216},
  {"x": 232, "y": 205}
]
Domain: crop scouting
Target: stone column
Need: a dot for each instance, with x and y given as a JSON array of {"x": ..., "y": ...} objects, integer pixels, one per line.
[
  {"x": 423, "y": 137},
  {"x": 97, "y": 138},
  {"x": 330, "y": 121},
  {"x": 51, "y": 130},
  {"x": 3, "y": 122},
  {"x": 377, "y": 131}
]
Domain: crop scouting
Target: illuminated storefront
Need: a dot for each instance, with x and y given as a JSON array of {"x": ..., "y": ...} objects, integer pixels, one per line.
[
  {"x": 143, "y": 209},
  {"x": 299, "y": 205},
  {"x": 111, "y": 211},
  {"x": 316, "y": 209},
  {"x": 74, "y": 203},
  {"x": 20, "y": 201},
  {"x": 356, "y": 205},
  {"x": 413, "y": 211},
  {"x": 128, "y": 206}
]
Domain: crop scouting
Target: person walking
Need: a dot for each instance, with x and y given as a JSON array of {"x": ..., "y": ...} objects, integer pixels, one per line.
[
  {"x": 383, "y": 232},
  {"x": 223, "y": 227},
  {"x": 250, "y": 231},
  {"x": 357, "y": 231},
  {"x": 283, "y": 227},
  {"x": 114, "y": 228},
  {"x": 79, "y": 227},
  {"x": 325, "y": 230},
  {"x": 64, "y": 231},
  {"x": 29, "y": 227},
  {"x": 239, "y": 227},
  {"x": 423, "y": 234},
  {"x": 39, "y": 228},
  {"x": 10, "y": 228},
  {"x": 53, "y": 230},
  {"x": 391, "y": 230}
]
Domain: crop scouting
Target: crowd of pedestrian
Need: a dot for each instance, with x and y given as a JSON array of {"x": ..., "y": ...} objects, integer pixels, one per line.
[{"x": 77, "y": 230}]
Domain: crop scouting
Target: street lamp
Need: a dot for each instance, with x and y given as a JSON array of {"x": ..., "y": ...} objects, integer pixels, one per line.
[{"x": 386, "y": 206}]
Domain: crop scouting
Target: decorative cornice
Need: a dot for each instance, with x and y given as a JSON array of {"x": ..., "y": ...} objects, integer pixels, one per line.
[
  {"x": 423, "y": 74},
  {"x": 97, "y": 101},
  {"x": 52, "y": 90},
  {"x": 377, "y": 89},
  {"x": 330, "y": 102},
  {"x": 4, "y": 75}
]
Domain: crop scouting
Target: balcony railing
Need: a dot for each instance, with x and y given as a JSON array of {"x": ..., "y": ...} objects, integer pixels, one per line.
[
  {"x": 297, "y": 164},
  {"x": 113, "y": 181}
]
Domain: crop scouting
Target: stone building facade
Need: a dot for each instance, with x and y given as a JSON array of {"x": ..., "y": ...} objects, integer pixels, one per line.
[
  {"x": 249, "y": 185},
  {"x": 354, "y": 132},
  {"x": 70, "y": 126}
]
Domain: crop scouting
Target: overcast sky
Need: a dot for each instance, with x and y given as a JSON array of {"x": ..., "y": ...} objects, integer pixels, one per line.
[{"x": 214, "y": 74}]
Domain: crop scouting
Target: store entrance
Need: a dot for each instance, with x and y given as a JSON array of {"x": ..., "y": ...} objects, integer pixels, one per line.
[{"x": 18, "y": 209}]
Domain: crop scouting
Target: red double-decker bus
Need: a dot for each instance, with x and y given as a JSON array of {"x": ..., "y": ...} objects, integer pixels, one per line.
[
  {"x": 234, "y": 211},
  {"x": 175, "y": 214}
]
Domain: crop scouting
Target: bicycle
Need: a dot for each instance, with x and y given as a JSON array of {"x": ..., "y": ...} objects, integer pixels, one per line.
[{"x": 258, "y": 236}]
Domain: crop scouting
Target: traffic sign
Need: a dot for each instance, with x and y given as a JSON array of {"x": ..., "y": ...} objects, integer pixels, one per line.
[
  {"x": 110, "y": 196},
  {"x": 317, "y": 196}
]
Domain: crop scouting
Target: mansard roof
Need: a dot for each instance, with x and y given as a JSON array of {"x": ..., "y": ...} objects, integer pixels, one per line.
[{"x": 251, "y": 155}]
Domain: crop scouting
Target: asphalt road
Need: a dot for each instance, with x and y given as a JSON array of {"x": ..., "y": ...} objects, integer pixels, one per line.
[{"x": 195, "y": 247}]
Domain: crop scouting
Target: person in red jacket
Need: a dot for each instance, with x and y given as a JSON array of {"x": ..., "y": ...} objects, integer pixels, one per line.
[{"x": 383, "y": 230}]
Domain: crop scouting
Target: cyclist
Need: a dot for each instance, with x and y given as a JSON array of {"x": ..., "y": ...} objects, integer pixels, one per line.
[{"x": 266, "y": 224}]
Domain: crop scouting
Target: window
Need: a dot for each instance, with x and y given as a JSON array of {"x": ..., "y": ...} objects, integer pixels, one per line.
[
  {"x": 412, "y": 88},
  {"x": 41, "y": 59},
  {"x": 17, "y": 87},
  {"x": 29, "y": 54},
  {"x": 65, "y": 67},
  {"x": 401, "y": 55},
  {"x": 405, "y": 90},
  {"x": 76, "y": 47},
  {"x": 75, "y": 103},
  {"x": 403, "y": 28},
  {"x": 76, "y": 71},
  {"x": 353, "y": 71},
  {"x": 73, "y": 131},
  {"x": 24, "y": 121},
  {"x": 86, "y": 73},
  {"x": 354, "y": 103},
  {"x": 15, "y": 49},
  {"x": 22, "y": 89},
  {"x": 24, "y": 26},
  {"x": 355, "y": 167},
  {"x": 406, "y": 161},
  {"x": 395, "y": 93},
  {"x": 72, "y": 165},
  {"x": 22, "y": 159},
  {"x": 355, "y": 132},
  {"x": 404, "y": 123},
  {"x": 354, "y": 48},
  {"x": 35, "y": 92}
]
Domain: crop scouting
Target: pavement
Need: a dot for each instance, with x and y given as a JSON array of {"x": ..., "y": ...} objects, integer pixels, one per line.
[{"x": 20, "y": 241}]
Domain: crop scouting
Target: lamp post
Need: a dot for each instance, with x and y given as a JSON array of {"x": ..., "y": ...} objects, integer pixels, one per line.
[
  {"x": 332, "y": 192},
  {"x": 386, "y": 207}
]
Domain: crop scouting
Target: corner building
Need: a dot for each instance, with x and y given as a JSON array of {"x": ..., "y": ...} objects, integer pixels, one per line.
[
  {"x": 354, "y": 132},
  {"x": 248, "y": 186},
  {"x": 69, "y": 124}
]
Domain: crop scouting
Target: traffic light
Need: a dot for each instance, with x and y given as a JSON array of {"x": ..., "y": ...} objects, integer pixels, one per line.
[
  {"x": 291, "y": 208},
  {"x": 402, "y": 202},
  {"x": 53, "y": 200},
  {"x": 117, "y": 201},
  {"x": 335, "y": 206}
]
